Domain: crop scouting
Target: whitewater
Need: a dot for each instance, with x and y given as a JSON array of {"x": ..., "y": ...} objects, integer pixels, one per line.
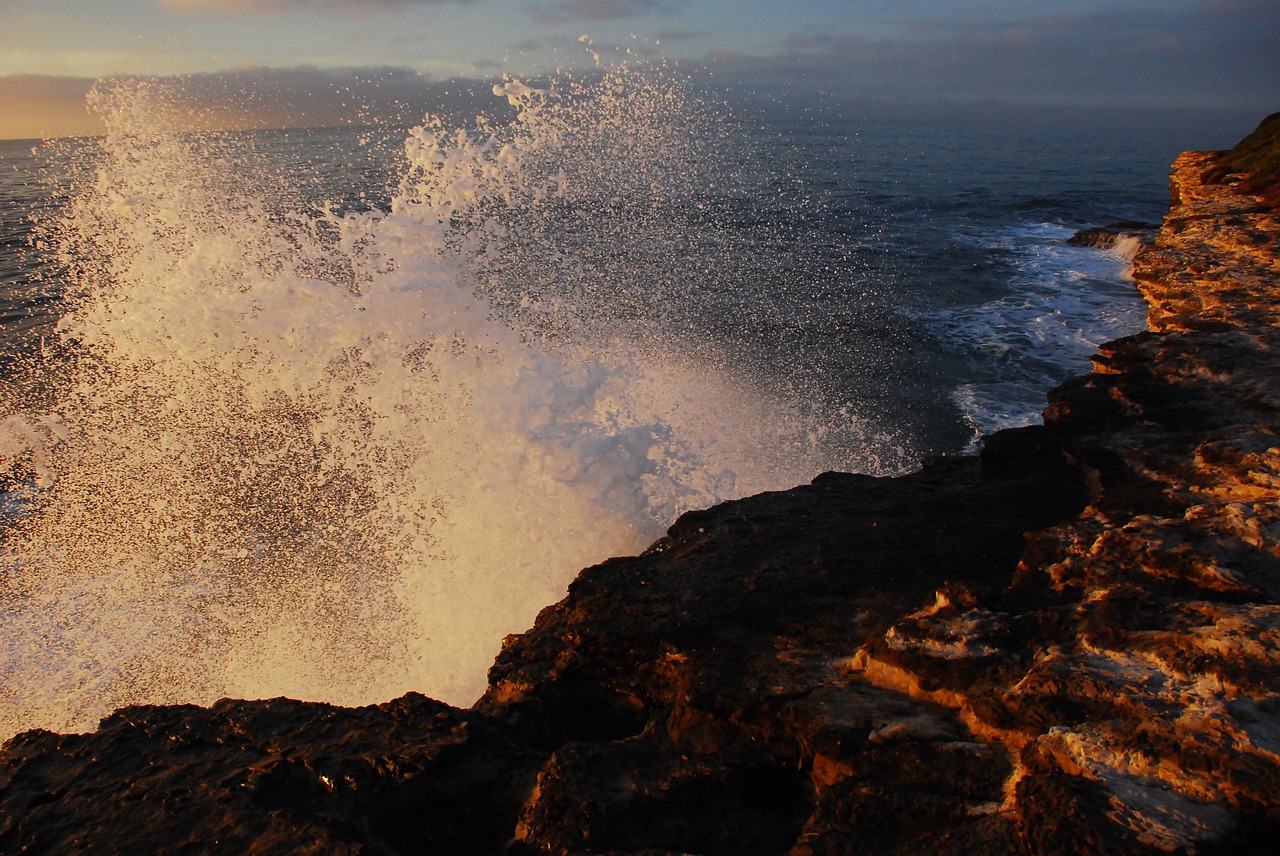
[
  {"x": 339, "y": 456},
  {"x": 337, "y": 450}
]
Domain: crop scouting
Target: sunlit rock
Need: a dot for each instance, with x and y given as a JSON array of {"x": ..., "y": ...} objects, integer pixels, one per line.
[{"x": 1067, "y": 644}]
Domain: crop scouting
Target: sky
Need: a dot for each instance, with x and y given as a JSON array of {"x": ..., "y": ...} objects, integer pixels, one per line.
[{"x": 327, "y": 61}]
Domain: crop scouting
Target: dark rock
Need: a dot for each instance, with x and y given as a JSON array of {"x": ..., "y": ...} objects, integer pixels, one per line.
[
  {"x": 1106, "y": 237},
  {"x": 1068, "y": 644},
  {"x": 273, "y": 777}
]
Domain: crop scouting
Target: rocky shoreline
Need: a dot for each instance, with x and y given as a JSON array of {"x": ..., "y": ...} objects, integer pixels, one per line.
[{"x": 1067, "y": 644}]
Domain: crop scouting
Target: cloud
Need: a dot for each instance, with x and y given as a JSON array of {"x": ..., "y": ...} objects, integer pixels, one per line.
[
  {"x": 570, "y": 11},
  {"x": 1249, "y": 8},
  {"x": 1221, "y": 53},
  {"x": 530, "y": 46},
  {"x": 37, "y": 106},
  {"x": 681, "y": 35},
  {"x": 262, "y": 7},
  {"x": 256, "y": 97},
  {"x": 223, "y": 7},
  {"x": 1174, "y": 72},
  {"x": 304, "y": 96}
]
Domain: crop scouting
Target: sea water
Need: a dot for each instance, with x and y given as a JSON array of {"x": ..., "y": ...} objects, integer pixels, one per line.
[{"x": 327, "y": 413}]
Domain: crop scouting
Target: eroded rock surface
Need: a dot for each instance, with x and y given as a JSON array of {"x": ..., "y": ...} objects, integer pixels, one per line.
[
  {"x": 1069, "y": 644},
  {"x": 1145, "y": 705}
]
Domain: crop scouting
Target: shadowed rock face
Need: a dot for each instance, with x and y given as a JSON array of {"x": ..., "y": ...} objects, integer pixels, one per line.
[{"x": 1069, "y": 644}]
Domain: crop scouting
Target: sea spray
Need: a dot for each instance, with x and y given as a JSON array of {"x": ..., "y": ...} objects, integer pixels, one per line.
[{"x": 337, "y": 453}]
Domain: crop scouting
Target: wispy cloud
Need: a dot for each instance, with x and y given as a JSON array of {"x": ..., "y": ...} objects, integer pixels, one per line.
[
  {"x": 681, "y": 35},
  {"x": 261, "y": 7},
  {"x": 570, "y": 11}
]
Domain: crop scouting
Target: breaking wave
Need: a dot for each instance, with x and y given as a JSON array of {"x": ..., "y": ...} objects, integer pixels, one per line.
[{"x": 337, "y": 451}]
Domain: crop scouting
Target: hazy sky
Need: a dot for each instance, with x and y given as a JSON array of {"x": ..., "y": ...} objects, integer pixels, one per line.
[{"x": 1173, "y": 55}]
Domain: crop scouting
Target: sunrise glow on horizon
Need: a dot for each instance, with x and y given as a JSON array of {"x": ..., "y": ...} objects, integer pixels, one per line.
[{"x": 1185, "y": 55}]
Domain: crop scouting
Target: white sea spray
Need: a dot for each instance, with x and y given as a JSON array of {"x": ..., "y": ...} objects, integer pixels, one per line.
[{"x": 338, "y": 455}]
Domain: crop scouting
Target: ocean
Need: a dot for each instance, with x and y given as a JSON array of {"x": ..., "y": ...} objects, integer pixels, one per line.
[{"x": 326, "y": 413}]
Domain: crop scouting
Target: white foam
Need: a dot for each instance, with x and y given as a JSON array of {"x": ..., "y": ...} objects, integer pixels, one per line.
[
  {"x": 1126, "y": 247},
  {"x": 1063, "y": 302},
  {"x": 338, "y": 457}
]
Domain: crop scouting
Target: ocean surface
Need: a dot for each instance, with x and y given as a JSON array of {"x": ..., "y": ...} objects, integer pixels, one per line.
[{"x": 327, "y": 413}]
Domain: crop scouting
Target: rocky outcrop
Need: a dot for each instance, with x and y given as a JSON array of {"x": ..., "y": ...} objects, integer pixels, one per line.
[
  {"x": 1067, "y": 644},
  {"x": 1109, "y": 237}
]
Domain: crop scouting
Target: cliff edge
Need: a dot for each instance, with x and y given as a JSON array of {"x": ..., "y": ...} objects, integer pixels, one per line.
[{"x": 1067, "y": 644}]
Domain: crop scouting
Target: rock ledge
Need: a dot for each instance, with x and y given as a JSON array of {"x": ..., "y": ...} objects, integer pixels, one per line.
[{"x": 1068, "y": 644}]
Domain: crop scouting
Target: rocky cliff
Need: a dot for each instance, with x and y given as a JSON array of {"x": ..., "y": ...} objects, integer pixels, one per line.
[{"x": 1067, "y": 644}]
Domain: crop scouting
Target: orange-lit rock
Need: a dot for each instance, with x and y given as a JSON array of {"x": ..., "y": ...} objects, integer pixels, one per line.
[{"x": 1069, "y": 644}]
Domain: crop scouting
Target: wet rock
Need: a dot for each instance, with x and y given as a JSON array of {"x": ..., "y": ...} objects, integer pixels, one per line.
[
  {"x": 1148, "y": 620},
  {"x": 1068, "y": 644},
  {"x": 1107, "y": 237},
  {"x": 275, "y": 776}
]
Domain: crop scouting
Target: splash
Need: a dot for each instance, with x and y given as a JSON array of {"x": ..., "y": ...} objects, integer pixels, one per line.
[{"x": 337, "y": 453}]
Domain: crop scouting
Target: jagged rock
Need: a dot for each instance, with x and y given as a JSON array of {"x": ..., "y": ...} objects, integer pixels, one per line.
[
  {"x": 1106, "y": 237},
  {"x": 1068, "y": 644},
  {"x": 276, "y": 776}
]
